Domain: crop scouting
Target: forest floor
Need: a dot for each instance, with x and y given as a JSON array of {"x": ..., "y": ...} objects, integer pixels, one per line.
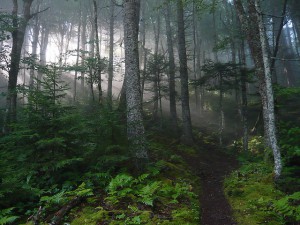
[{"x": 212, "y": 165}]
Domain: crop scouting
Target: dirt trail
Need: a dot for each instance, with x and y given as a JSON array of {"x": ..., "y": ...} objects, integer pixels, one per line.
[{"x": 211, "y": 166}]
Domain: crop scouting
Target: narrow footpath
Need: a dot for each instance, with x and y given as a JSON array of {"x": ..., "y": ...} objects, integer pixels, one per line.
[{"x": 212, "y": 166}]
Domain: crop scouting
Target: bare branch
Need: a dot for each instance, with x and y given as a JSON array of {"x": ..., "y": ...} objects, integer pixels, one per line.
[{"x": 36, "y": 13}]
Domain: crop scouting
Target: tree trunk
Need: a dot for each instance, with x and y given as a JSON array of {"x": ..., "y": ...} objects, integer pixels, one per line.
[
  {"x": 221, "y": 111},
  {"x": 77, "y": 58},
  {"x": 18, "y": 34},
  {"x": 171, "y": 64},
  {"x": 135, "y": 127},
  {"x": 187, "y": 136},
  {"x": 252, "y": 25},
  {"x": 269, "y": 93},
  {"x": 143, "y": 50},
  {"x": 83, "y": 48},
  {"x": 45, "y": 31},
  {"x": 111, "y": 53},
  {"x": 244, "y": 97},
  {"x": 99, "y": 69},
  {"x": 35, "y": 39},
  {"x": 91, "y": 72},
  {"x": 156, "y": 30}
]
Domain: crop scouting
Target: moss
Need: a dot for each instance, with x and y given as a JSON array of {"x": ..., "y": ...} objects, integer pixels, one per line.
[
  {"x": 187, "y": 150},
  {"x": 174, "y": 202},
  {"x": 251, "y": 194},
  {"x": 90, "y": 216}
]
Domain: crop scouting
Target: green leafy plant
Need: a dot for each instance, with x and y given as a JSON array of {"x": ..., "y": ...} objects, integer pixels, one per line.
[
  {"x": 7, "y": 217},
  {"x": 289, "y": 207}
]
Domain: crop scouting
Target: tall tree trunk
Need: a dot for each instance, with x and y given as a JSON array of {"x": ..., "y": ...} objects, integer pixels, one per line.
[
  {"x": 45, "y": 31},
  {"x": 143, "y": 50},
  {"x": 99, "y": 69},
  {"x": 156, "y": 30},
  {"x": 196, "y": 46},
  {"x": 221, "y": 110},
  {"x": 135, "y": 127},
  {"x": 171, "y": 64},
  {"x": 83, "y": 48},
  {"x": 252, "y": 25},
  {"x": 269, "y": 92},
  {"x": 77, "y": 57},
  {"x": 243, "y": 79},
  {"x": 35, "y": 39},
  {"x": 111, "y": 53},
  {"x": 18, "y": 34},
  {"x": 187, "y": 136},
  {"x": 91, "y": 73}
]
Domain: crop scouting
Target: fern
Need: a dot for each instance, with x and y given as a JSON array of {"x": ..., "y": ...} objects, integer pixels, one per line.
[
  {"x": 120, "y": 181},
  {"x": 81, "y": 191},
  {"x": 289, "y": 206},
  {"x": 147, "y": 193},
  {"x": 6, "y": 216}
]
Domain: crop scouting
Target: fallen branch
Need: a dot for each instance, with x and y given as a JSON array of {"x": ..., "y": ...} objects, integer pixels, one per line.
[
  {"x": 35, "y": 218},
  {"x": 59, "y": 215}
]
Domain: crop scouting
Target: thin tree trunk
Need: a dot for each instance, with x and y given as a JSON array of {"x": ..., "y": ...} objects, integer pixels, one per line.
[
  {"x": 35, "y": 39},
  {"x": 99, "y": 70},
  {"x": 83, "y": 47},
  {"x": 244, "y": 98},
  {"x": 111, "y": 53},
  {"x": 156, "y": 30},
  {"x": 171, "y": 64},
  {"x": 77, "y": 57},
  {"x": 143, "y": 53},
  {"x": 195, "y": 58},
  {"x": 187, "y": 136},
  {"x": 92, "y": 55},
  {"x": 221, "y": 116},
  {"x": 276, "y": 47}
]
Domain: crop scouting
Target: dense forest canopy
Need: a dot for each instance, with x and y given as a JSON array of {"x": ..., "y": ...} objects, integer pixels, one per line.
[{"x": 108, "y": 107}]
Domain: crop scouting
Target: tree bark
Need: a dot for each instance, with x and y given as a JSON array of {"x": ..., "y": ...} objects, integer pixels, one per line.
[
  {"x": 45, "y": 31},
  {"x": 35, "y": 39},
  {"x": 83, "y": 48},
  {"x": 156, "y": 30},
  {"x": 18, "y": 34},
  {"x": 252, "y": 25},
  {"x": 135, "y": 127},
  {"x": 187, "y": 136},
  {"x": 269, "y": 92},
  {"x": 99, "y": 69},
  {"x": 171, "y": 64},
  {"x": 111, "y": 53},
  {"x": 77, "y": 56},
  {"x": 243, "y": 79}
]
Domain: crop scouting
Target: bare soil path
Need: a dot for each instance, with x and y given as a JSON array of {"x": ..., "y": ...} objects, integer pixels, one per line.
[{"x": 212, "y": 165}]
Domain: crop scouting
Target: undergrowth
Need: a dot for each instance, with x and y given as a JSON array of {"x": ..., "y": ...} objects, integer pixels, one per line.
[
  {"x": 254, "y": 196},
  {"x": 166, "y": 193}
]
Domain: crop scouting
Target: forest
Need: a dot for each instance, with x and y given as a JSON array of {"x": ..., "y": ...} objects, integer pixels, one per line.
[{"x": 150, "y": 112}]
